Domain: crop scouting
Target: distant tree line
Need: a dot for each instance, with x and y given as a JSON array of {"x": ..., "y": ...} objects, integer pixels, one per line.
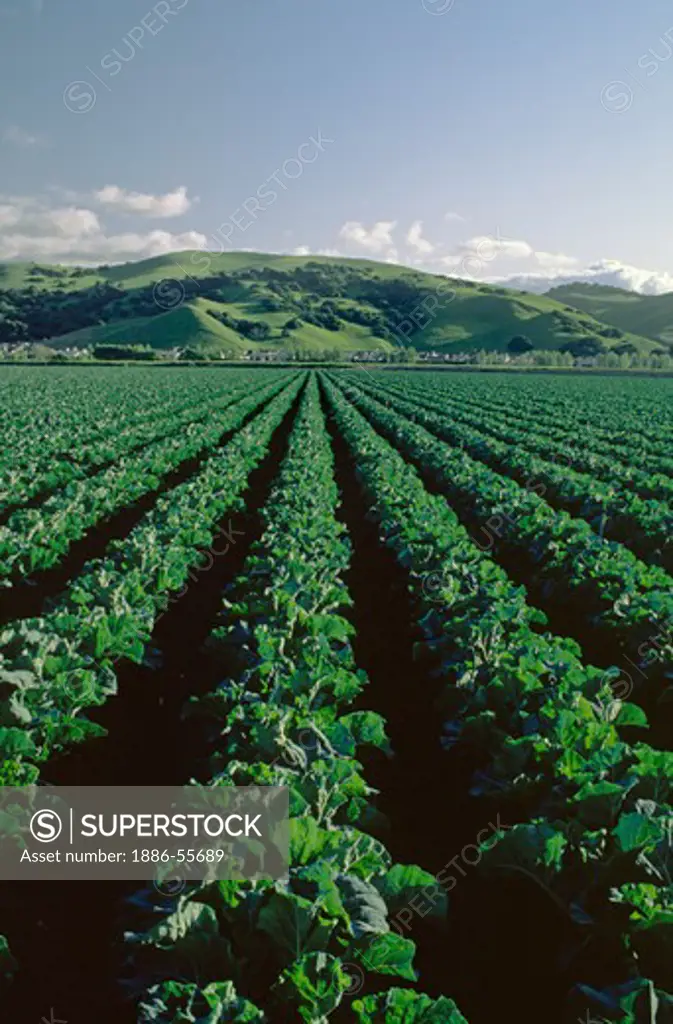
[{"x": 551, "y": 358}]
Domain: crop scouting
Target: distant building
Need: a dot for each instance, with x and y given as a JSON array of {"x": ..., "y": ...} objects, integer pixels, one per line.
[
  {"x": 372, "y": 356},
  {"x": 444, "y": 357},
  {"x": 269, "y": 355}
]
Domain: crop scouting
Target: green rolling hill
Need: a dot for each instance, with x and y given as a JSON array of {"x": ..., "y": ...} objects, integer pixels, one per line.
[
  {"x": 651, "y": 315},
  {"x": 233, "y": 302},
  {"x": 189, "y": 326}
]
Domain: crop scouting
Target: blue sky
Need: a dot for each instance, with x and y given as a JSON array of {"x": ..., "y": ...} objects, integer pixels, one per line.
[{"x": 522, "y": 141}]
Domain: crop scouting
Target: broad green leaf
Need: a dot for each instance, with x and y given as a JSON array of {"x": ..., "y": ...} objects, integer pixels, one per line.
[
  {"x": 598, "y": 803},
  {"x": 313, "y": 986},
  {"x": 408, "y": 886},
  {"x": 389, "y": 954},
  {"x": 404, "y": 1006},
  {"x": 634, "y": 831},
  {"x": 631, "y": 714},
  {"x": 175, "y": 1002},
  {"x": 366, "y": 909},
  {"x": 294, "y": 926}
]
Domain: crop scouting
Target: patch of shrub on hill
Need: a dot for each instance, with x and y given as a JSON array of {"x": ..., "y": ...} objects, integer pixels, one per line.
[
  {"x": 520, "y": 343},
  {"x": 134, "y": 352}
]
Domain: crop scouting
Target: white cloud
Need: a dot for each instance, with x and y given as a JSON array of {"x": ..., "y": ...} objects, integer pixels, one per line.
[
  {"x": 489, "y": 258},
  {"x": 99, "y": 248},
  {"x": 485, "y": 258},
  {"x": 10, "y": 215},
  {"x": 482, "y": 258},
  {"x": 472, "y": 256},
  {"x": 15, "y": 136},
  {"x": 306, "y": 250},
  {"x": 555, "y": 261},
  {"x": 468, "y": 259},
  {"x": 171, "y": 204},
  {"x": 607, "y": 272},
  {"x": 416, "y": 241},
  {"x": 451, "y": 215},
  {"x": 71, "y": 222},
  {"x": 509, "y": 248},
  {"x": 377, "y": 239},
  {"x": 31, "y": 229},
  {"x": 33, "y": 218}
]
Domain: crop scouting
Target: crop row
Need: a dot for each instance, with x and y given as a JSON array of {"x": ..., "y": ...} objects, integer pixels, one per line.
[
  {"x": 37, "y": 539},
  {"x": 42, "y": 469},
  {"x": 632, "y": 601},
  {"x": 632, "y": 416},
  {"x": 613, "y": 511},
  {"x": 48, "y": 412},
  {"x": 649, "y": 477},
  {"x": 280, "y": 717},
  {"x": 592, "y": 812},
  {"x": 51, "y": 668}
]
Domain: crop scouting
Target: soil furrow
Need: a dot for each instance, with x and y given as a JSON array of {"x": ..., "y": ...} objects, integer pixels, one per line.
[{"x": 67, "y": 936}]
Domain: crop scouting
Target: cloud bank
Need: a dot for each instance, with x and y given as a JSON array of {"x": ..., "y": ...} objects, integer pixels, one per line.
[
  {"x": 171, "y": 204},
  {"x": 497, "y": 259},
  {"x": 33, "y": 229}
]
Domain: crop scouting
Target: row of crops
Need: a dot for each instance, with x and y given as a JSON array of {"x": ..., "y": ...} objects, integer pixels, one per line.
[{"x": 283, "y": 574}]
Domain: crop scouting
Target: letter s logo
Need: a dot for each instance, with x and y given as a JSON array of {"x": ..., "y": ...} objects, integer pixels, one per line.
[{"x": 46, "y": 826}]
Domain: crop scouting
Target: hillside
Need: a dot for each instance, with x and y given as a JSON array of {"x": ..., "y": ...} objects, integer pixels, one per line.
[
  {"x": 651, "y": 315},
  {"x": 189, "y": 326},
  {"x": 233, "y": 302},
  {"x": 193, "y": 326}
]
